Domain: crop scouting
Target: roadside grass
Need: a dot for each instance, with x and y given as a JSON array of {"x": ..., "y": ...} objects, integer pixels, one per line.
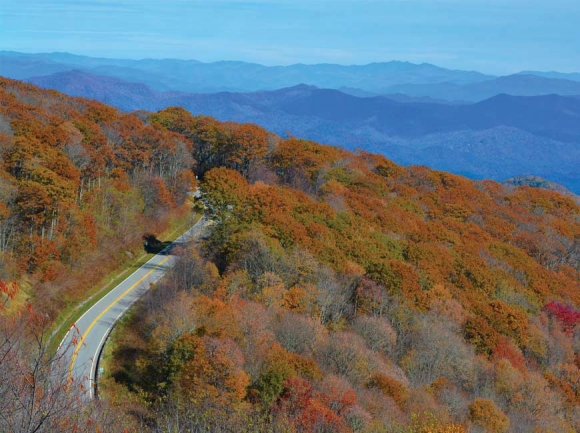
[
  {"x": 116, "y": 382},
  {"x": 73, "y": 312},
  {"x": 12, "y": 306}
]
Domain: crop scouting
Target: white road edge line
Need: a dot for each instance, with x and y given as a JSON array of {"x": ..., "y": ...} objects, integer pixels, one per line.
[
  {"x": 96, "y": 358},
  {"x": 101, "y": 343}
]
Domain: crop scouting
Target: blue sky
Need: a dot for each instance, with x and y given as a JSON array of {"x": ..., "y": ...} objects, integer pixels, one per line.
[{"x": 494, "y": 36}]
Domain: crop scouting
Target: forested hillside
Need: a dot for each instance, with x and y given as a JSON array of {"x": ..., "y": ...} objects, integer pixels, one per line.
[
  {"x": 341, "y": 292},
  {"x": 335, "y": 291},
  {"x": 80, "y": 184},
  {"x": 499, "y": 138}
]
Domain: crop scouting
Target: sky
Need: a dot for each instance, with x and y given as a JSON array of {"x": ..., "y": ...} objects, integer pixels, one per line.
[{"x": 491, "y": 36}]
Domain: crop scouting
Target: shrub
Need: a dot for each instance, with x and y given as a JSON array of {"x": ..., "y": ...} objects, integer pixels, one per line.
[{"x": 485, "y": 413}]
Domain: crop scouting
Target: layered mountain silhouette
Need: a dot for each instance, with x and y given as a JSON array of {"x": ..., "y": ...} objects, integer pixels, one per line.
[
  {"x": 461, "y": 121},
  {"x": 517, "y": 85},
  {"x": 194, "y": 76},
  {"x": 503, "y": 136},
  {"x": 574, "y": 76},
  {"x": 427, "y": 82},
  {"x": 127, "y": 96},
  {"x": 551, "y": 116}
]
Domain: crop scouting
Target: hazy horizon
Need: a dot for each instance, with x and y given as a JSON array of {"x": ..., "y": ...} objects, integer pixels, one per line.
[
  {"x": 493, "y": 36},
  {"x": 279, "y": 64}
]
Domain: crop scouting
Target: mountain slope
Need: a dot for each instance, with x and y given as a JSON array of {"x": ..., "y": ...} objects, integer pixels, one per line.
[
  {"x": 340, "y": 292},
  {"x": 516, "y": 85},
  {"x": 497, "y": 153},
  {"x": 124, "y": 95},
  {"x": 20, "y": 68},
  {"x": 335, "y": 291},
  {"x": 409, "y": 132},
  {"x": 535, "y": 135},
  {"x": 80, "y": 182},
  {"x": 550, "y": 116},
  {"x": 573, "y": 76},
  {"x": 523, "y": 85},
  {"x": 538, "y": 182}
]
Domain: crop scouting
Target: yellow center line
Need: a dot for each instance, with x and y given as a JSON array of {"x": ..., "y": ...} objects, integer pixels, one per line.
[{"x": 94, "y": 322}]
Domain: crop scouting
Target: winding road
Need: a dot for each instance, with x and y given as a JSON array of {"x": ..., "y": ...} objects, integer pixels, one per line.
[{"x": 84, "y": 341}]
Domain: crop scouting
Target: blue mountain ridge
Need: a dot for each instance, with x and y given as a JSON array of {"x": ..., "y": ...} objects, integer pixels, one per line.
[{"x": 503, "y": 136}]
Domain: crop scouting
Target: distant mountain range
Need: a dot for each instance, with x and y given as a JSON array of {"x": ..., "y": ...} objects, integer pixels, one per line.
[
  {"x": 517, "y": 85},
  {"x": 574, "y": 76},
  {"x": 551, "y": 116},
  {"x": 198, "y": 77},
  {"x": 424, "y": 81},
  {"x": 460, "y": 121},
  {"x": 501, "y": 137},
  {"x": 127, "y": 96}
]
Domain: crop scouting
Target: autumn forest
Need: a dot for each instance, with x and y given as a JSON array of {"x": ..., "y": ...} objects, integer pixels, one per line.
[{"x": 334, "y": 291}]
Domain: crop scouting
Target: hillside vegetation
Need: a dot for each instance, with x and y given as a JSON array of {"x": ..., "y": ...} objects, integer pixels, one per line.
[
  {"x": 499, "y": 138},
  {"x": 338, "y": 291},
  {"x": 80, "y": 183},
  {"x": 335, "y": 291}
]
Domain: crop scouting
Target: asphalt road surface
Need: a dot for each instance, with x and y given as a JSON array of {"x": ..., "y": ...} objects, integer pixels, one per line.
[{"x": 84, "y": 341}]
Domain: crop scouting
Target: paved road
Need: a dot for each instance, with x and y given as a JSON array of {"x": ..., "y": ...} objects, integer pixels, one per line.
[{"x": 83, "y": 343}]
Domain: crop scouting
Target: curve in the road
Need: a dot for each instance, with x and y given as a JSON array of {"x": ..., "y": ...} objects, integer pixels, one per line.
[
  {"x": 102, "y": 313},
  {"x": 83, "y": 343}
]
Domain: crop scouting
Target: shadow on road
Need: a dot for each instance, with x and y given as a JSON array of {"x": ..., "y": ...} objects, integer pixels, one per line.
[{"x": 154, "y": 246}]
